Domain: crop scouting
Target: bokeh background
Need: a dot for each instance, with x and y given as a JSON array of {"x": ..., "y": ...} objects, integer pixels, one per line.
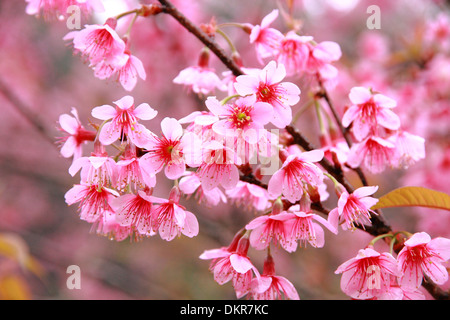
[{"x": 40, "y": 78}]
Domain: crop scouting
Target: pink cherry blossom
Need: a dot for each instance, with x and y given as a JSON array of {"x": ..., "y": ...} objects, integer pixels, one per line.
[
  {"x": 165, "y": 152},
  {"x": 249, "y": 196},
  {"x": 171, "y": 219},
  {"x": 77, "y": 135},
  {"x": 368, "y": 275},
  {"x": 218, "y": 167},
  {"x": 266, "y": 39},
  {"x": 124, "y": 121},
  {"x": 409, "y": 149},
  {"x": 422, "y": 255},
  {"x": 190, "y": 184},
  {"x": 268, "y": 87},
  {"x": 354, "y": 209},
  {"x": 200, "y": 78},
  {"x": 295, "y": 173},
  {"x": 100, "y": 44},
  {"x": 94, "y": 201},
  {"x": 127, "y": 73},
  {"x": 98, "y": 169},
  {"x": 368, "y": 112},
  {"x": 130, "y": 174},
  {"x": 270, "y": 286},
  {"x": 271, "y": 228},
  {"x": 233, "y": 264},
  {"x": 293, "y": 53},
  {"x": 320, "y": 58},
  {"x": 135, "y": 211},
  {"x": 374, "y": 153},
  {"x": 109, "y": 227},
  {"x": 245, "y": 118},
  {"x": 304, "y": 227}
]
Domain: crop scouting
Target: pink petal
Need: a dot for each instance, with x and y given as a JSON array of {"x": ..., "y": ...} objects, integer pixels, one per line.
[
  {"x": 312, "y": 156},
  {"x": 267, "y": 20},
  {"x": 145, "y": 112},
  {"x": 175, "y": 169},
  {"x": 275, "y": 186},
  {"x": 190, "y": 228},
  {"x": 240, "y": 264},
  {"x": 383, "y": 101},
  {"x": 104, "y": 112},
  {"x": 75, "y": 194},
  {"x": 171, "y": 128},
  {"x": 214, "y": 106},
  {"x": 68, "y": 123},
  {"x": 365, "y": 191},
  {"x": 350, "y": 115},
  {"x": 288, "y": 288},
  {"x": 262, "y": 112},
  {"x": 68, "y": 148},
  {"x": 388, "y": 119},
  {"x": 359, "y": 95},
  {"x": 125, "y": 103}
]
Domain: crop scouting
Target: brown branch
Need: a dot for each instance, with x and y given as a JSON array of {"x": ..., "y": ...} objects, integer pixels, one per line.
[{"x": 209, "y": 42}]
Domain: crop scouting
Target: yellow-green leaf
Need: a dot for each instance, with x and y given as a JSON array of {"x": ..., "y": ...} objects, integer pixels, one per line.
[{"x": 414, "y": 196}]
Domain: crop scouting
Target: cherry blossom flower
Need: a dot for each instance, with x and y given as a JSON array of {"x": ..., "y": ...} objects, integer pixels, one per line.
[
  {"x": 421, "y": 256},
  {"x": 135, "y": 211},
  {"x": 233, "y": 264},
  {"x": 218, "y": 167},
  {"x": 368, "y": 275},
  {"x": 296, "y": 171},
  {"x": 293, "y": 53},
  {"x": 166, "y": 151},
  {"x": 354, "y": 209},
  {"x": 270, "y": 286},
  {"x": 124, "y": 121},
  {"x": 368, "y": 112},
  {"x": 94, "y": 201},
  {"x": 190, "y": 184},
  {"x": 374, "y": 153},
  {"x": 200, "y": 78},
  {"x": 271, "y": 228},
  {"x": 304, "y": 227},
  {"x": 130, "y": 173},
  {"x": 97, "y": 169},
  {"x": 108, "y": 226},
  {"x": 249, "y": 196},
  {"x": 266, "y": 39},
  {"x": 409, "y": 149},
  {"x": 171, "y": 219},
  {"x": 100, "y": 44},
  {"x": 320, "y": 58},
  {"x": 268, "y": 87},
  {"x": 126, "y": 74},
  {"x": 245, "y": 118},
  {"x": 72, "y": 144}
]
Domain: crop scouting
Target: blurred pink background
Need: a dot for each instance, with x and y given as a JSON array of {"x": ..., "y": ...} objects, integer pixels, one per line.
[{"x": 38, "y": 71}]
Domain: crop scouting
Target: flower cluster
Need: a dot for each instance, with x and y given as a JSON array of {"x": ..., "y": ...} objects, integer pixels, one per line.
[
  {"x": 381, "y": 141},
  {"x": 222, "y": 154},
  {"x": 381, "y": 276},
  {"x": 108, "y": 54}
]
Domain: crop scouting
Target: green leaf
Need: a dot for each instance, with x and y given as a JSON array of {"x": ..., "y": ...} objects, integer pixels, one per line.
[{"x": 414, "y": 197}]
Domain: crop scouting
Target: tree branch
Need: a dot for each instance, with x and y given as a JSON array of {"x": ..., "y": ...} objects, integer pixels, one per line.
[{"x": 170, "y": 9}]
